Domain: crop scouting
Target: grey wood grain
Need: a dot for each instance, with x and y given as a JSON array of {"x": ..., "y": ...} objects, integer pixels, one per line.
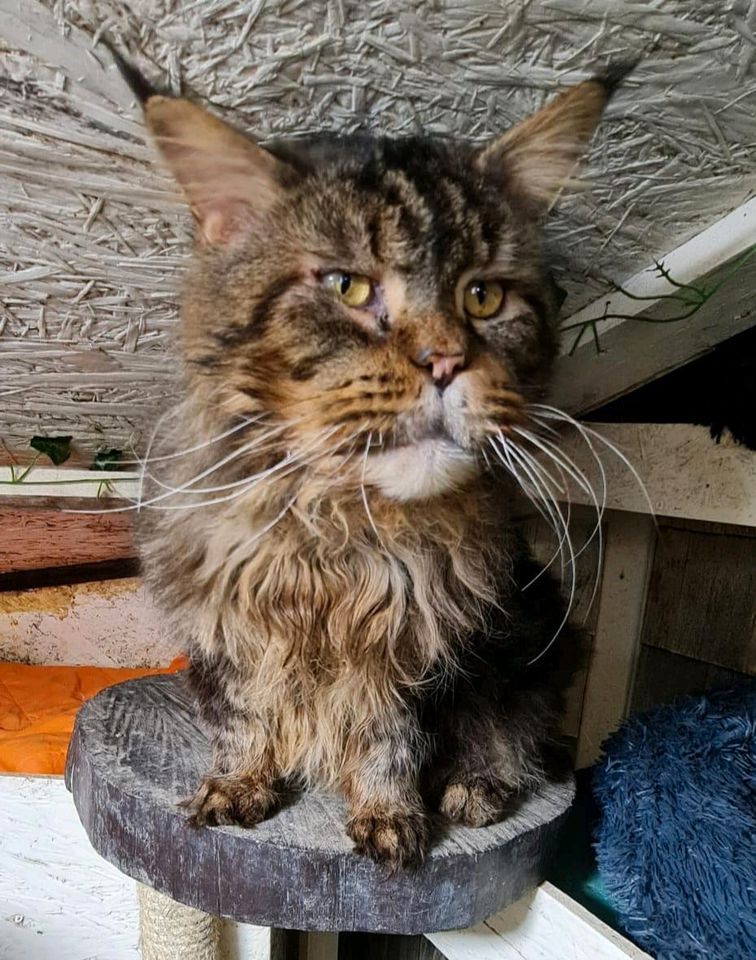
[
  {"x": 137, "y": 751},
  {"x": 662, "y": 676},
  {"x": 702, "y": 597}
]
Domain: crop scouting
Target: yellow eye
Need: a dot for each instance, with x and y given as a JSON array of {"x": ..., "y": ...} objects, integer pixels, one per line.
[
  {"x": 483, "y": 298},
  {"x": 352, "y": 289}
]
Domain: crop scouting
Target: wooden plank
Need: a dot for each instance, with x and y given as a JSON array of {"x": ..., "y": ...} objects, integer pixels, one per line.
[
  {"x": 106, "y": 623},
  {"x": 70, "y": 482},
  {"x": 702, "y": 598},
  {"x": 635, "y": 352},
  {"x": 685, "y": 472},
  {"x": 662, "y": 676},
  {"x": 243, "y": 941},
  {"x": 543, "y": 925},
  {"x": 628, "y": 558},
  {"x": 34, "y": 539},
  {"x": 137, "y": 749}
]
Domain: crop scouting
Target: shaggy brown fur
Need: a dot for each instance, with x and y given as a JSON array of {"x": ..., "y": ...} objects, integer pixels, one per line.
[{"x": 320, "y": 522}]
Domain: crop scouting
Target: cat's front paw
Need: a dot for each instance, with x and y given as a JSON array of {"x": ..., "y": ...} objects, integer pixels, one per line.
[
  {"x": 222, "y": 801},
  {"x": 395, "y": 838},
  {"x": 475, "y": 801}
]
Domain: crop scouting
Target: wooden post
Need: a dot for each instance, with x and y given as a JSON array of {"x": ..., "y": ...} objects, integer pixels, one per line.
[{"x": 630, "y": 543}]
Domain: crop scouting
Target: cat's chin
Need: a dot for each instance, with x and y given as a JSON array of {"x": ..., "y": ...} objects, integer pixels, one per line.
[{"x": 421, "y": 470}]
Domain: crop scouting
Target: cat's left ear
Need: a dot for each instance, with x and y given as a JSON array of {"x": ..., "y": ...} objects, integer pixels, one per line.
[
  {"x": 229, "y": 181},
  {"x": 539, "y": 156}
]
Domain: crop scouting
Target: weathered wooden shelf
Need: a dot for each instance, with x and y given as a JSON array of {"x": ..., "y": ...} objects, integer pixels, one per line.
[{"x": 137, "y": 750}]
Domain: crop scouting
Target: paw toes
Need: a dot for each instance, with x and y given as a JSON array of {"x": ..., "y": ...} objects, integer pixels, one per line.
[
  {"x": 398, "y": 840},
  {"x": 224, "y": 801},
  {"x": 475, "y": 802}
]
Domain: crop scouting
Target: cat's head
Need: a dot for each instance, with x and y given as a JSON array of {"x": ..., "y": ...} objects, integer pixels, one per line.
[{"x": 384, "y": 297}]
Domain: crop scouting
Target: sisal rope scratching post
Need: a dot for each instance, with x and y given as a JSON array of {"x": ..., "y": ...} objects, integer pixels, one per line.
[{"x": 172, "y": 931}]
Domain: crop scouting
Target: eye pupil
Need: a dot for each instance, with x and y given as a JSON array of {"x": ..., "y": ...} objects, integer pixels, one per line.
[
  {"x": 351, "y": 289},
  {"x": 483, "y": 298}
]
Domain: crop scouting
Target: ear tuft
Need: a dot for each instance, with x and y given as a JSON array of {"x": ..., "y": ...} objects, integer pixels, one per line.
[
  {"x": 229, "y": 181},
  {"x": 615, "y": 73},
  {"x": 538, "y": 157},
  {"x": 139, "y": 84}
]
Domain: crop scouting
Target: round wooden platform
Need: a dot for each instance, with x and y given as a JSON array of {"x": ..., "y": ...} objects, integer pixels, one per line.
[{"x": 137, "y": 751}]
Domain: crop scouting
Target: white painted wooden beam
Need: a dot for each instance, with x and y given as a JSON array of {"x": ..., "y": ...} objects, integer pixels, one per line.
[
  {"x": 634, "y": 351},
  {"x": 544, "y": 925},
  {"x": 686, "y": 473},
  {"x": 69, "y": 482},
  {"x": 61, "y": 901}
]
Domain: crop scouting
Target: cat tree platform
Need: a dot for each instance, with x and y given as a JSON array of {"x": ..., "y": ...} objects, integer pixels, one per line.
[{"x": 137, "y": 751}]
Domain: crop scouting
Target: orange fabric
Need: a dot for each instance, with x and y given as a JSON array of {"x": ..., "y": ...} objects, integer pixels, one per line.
[{"x": 38, "y": 706}]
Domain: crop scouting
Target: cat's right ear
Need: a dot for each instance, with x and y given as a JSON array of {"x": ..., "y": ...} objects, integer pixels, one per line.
[{"x": 229, "y": 181}]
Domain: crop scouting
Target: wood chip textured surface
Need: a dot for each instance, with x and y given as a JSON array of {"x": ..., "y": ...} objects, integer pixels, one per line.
[{"x": 93, "y": 237}]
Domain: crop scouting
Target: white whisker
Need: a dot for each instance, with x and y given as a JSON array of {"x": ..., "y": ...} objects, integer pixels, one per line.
[
  {"x": 189, "y": 488},
  {"x": 544, "y": 484},
  {"x": 142, "y": 461},
  {"x": 364, "y": 491},
  {"x": 554, "y": 413},
  {"x": 295, "y": 459},
  {"x": 565, "y": 464}
]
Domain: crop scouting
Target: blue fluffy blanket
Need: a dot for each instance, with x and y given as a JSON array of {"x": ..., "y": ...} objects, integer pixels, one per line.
[{"x": 676, "y": 839}]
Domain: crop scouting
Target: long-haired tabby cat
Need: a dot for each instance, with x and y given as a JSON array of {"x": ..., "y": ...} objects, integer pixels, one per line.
[{"x": 366, "y": 322}]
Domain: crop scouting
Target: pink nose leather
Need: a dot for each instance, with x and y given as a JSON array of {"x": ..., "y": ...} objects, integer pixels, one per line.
[{"x": 444, "y": 366}]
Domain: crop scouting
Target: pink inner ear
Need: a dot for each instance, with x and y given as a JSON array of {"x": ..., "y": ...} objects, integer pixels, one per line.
[
  {"x": 229, "y": 202},
  {"x": 219, "y": 223}
]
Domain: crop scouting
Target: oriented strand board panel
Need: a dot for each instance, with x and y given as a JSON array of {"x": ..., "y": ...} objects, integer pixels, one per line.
[
  {"x": 702, "y": 598},
  {"x": 58, "y": 899},
  {"x": 92, "y": 236},
  {"x": 107, "y": 623}
]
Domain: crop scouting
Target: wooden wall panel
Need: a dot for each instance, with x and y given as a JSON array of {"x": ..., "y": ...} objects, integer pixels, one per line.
[
  {"x": 702, "y": 597},
  {"x": 662, "y": 676}
]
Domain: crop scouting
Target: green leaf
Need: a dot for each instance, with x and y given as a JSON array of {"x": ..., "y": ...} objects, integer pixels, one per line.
[
  {"x": 106, "y": 459},
  {"x": 58, "y": 449}
]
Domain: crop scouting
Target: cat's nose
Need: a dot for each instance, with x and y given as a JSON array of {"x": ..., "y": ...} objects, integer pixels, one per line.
[{"x": 443, "y": 367}]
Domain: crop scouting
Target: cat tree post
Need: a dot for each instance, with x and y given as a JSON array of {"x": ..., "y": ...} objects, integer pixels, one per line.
[
  {"x": 169, "y": 930},
  {"x": 136, "y": 752}
]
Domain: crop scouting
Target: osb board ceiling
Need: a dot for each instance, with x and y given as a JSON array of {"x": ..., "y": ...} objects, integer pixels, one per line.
[{"x": 94, "y": 236}]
